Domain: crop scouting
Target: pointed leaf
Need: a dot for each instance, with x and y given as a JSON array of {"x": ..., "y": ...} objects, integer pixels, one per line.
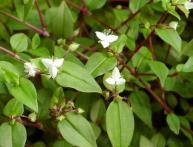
[
  {"x": 25, "y": 92},
  {"x": 119, "y": 124},
  {"x": 171, "y": 37},
  {"x": 160, "y": 70},
  {"x": 99, "y": 64},
  {"x": 77, "y": 131},
  {"x": 75, "y": 76},
  {"x": 12, "y": 135}
]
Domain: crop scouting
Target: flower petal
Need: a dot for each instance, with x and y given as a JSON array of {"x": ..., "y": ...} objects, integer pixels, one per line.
[
  {"x": 116, "y": 74},
  {"x": 47, "y": 62},
  {"x": 58, "y": 62},
  {"x": 110, "y": 81},
  {"x": 120, "y": 81}
]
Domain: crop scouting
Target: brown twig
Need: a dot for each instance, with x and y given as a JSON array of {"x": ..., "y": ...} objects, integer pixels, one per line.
[
  {"x": 41, "y": 16},
  {"x": 14, "y": 55},
  {"x": 28, "y": 25}
]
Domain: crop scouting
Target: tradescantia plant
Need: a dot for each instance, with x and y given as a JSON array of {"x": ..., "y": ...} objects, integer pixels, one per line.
[{"x": 104, "y": 73}]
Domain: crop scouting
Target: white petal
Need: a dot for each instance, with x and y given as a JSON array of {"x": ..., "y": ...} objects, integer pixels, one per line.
[
  {"x": 116, "y": 74},
  {"x": 111, "y": 38},
  {"x": 105, "y": 44},
  {"x": 120, "y": 81},
  {"x": 30, "y": 69},
  {"x": 47, "y": 62},
  {"x": 53, "y": 71},
  {"x": 188, "y": 5},
  {"x": 110, "y": 81},
  {"x": 58, "y": 62},
  {"x": 100, "y": 35},
  {"x": 173, "y": 24}
]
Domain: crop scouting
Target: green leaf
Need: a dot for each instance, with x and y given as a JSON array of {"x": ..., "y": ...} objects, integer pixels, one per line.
[
  {"x": 160, "y": 70},
  {"x": 75, "y": 76},
  {"x": 23, "y": 8},
  {"x": 188, "y": 49},
  {"x": 19, "y": 42},
  {"x": 99, "y": 64},
  {"x": 77, "y": 131},
  {"x": 119, "y": 124},
  {"x": 144, "y": 142},
  {"x": 9, "y": 73},
  {"x": 12, "y": 135},
  {"x": 158, "y": 140},
  {"x": 171, "y": 37},
  {"x": 141, "y": 106},
  {"x": 25, "y": 92},
  {"x": 92, "y": 5},
  {"x": 13, "y": 108},
  {"x": 97, "y": 111},
  {"x": 35, "y": 41},
  {"x": 135, "y": 5},
  {"x": 173, "y": 123},
  {"x": 60, "y": 20},
  {"x": 118, "y": 45}
]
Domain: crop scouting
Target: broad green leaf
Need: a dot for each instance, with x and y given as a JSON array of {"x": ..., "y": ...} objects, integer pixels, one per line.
[
  {"x": 61, "y": 143},
  {"x": 12, "y": 135},
  {"x": 119, "y": 123},
  {"x": 187, "y": 67},
  {"x": 40, "y": 52},
  {"x": 77, "y": 131},
  {"x": 92, "y": 5},
  {"x": 188, "y": 49},
  {"x": 160, "y": 70},
  {"x": 35, "y": 41},
  {"x": 23, "y": 8},
  {"x": 135, "y": 5},
  {"x": 141, "y": 106},
  {"x": 171, "y": 37},
  {"x": 75, "y": 76},
  {"x": 97, "y": 111},
  {"x": 9, "y": 73},
  {"x": 19, "y": 42},
  {"x": 60, "y": 20},
  {"x": 99, "y": 64},
  {"x": 96, "y": 129},
  {"x": 173, "y": 123},
  {"x": 13, "y": 108},
  {"x": 144, "y": 142},
  {"x": 158, "y": 140},
  {"x": 25, "y": 92},
  {"x": 181, "y": 84},
  {"x": 184, "y": 121},
  {"x": 118, "y": 45}
]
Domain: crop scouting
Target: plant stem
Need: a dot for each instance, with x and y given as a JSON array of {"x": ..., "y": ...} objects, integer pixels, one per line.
[
  {"x": 30, "y": 26},
  {"x": 14, "y": 55},
  {"x": 41, "y": 16}
]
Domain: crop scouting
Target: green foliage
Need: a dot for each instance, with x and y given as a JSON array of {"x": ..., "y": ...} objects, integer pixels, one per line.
[{"x": 96, "y": 73}]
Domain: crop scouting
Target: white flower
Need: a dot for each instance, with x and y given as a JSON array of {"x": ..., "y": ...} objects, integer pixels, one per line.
[
  {"x": 173, "y": 24},
  {"x": 53, "y": 65},
  {"x": 30, "y": 68},
  {"x": 105, "y": 38},
  {"x": 115, "y": 78},
  {"x": 188, "y": 5}
]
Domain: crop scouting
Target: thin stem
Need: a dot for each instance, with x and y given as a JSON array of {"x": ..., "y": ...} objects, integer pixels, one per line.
[
  {"x": 41, "y": 16},
  {"x": 14, "y": 55},
  {"x": 30, "y": 26}
]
